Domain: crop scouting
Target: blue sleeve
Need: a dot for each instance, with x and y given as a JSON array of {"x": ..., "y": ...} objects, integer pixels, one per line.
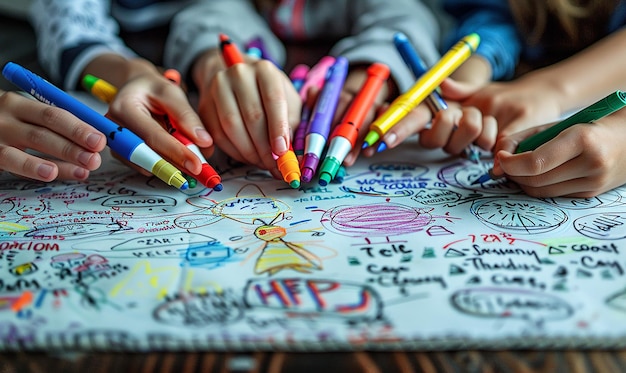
[{"x": 500, "y": 42}]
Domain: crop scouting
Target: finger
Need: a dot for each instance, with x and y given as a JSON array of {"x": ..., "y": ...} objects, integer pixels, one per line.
[
  {"x": 183, "y": 117},
  {"x": 579, "y": 188},
  {"x": 133, "y": 113},
  {"x": 415, "y": 121},
  {"x": 243, "y": 117},
  {"x": 26, "y": 136},
  {"x": 456, "y": 91},
  {"x": 209, "y": 112},
  {"x": 442, "y": 128},
  {"x": 487, "y": 138},
  {"x": 468, "y": 129},
  {"x": 542, "y": 160},
  {"x": 68, "y": 171},
  {"x": 23, "y": 164},
  {"x": 59, "y": 121},
  {"x": 273, "y": 90}
]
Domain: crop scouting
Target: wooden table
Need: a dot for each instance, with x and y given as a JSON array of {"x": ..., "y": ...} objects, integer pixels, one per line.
[{"x": 274, "y": 362}]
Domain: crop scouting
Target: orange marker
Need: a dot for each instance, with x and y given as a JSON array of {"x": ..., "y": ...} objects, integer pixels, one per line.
[
  {"x": 289, "y": 167},
  {"x": 208, "y": 176},
  {"x": 345, "y": 134},
  {"x": 230, "y": 52},
  {"x": 290, "y": 170}
]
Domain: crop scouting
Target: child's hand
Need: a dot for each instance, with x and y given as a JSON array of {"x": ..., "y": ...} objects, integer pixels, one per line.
[
  {"x": 455, "y": 128},
  {"x": 251, "y": 109},
  {"x": 69, "y": 147},
  {"x": 516, "y": 105},
  {"x": 452, "y": 129},
  {"x": 141, "y": 105},
  {"x": 582, "y": 161}
]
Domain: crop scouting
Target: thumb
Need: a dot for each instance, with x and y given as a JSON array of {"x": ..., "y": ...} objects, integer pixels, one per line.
[{"x": 456, "y": 91}]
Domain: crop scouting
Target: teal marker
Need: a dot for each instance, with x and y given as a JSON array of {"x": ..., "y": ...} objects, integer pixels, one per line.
[{"x": 608, "y": 105}]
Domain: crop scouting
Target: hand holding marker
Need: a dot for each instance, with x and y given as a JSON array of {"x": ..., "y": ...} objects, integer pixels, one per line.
[
  {"x": 287, "y": 163},
  {"x": 106, "y": 92},
  {"x": 598, "y": 110},
  {"x": 423, "y": 87},
  {"x": 434, "y": 101},
  {"x": 322, "y": 116},
  {"x": 119, "y": 139},
  {"x": 345, "y": 134},
  {"x": 207, "y": 176}
]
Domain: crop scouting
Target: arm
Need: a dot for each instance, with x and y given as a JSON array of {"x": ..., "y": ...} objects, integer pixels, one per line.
[
  {"x": 374, "y": 23},
  {"x": 250, "y": 108},
  {"x": 70, "y": 33},
  {"x": 194, "y": 34},
  {"x": 79, "y": 37},
  {"x": 500, "y": 45}
]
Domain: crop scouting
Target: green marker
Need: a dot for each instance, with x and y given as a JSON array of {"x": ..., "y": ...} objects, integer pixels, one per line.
[
  {"x": 600, "y": 109},
  {"x": 192, "y": 182},
  {"x": 610, "y": 104},
  {"x": 329, "y": 168}
]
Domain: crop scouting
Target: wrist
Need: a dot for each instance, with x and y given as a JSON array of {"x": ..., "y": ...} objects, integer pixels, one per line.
[
  {"x": 117, "y": 69},
  {"x": 550, "y": 84}
]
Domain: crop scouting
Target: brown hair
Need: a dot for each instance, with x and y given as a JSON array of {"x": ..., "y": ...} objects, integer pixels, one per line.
[{"x": 578, "y": 22}]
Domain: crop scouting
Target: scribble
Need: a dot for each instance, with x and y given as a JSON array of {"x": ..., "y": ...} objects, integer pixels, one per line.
[
  {"x": 276, "y": 254},
  {"x": 504, "y": 303},
  {"x": 518, "y": 215},
  {"x": 602, "y": 226},
  {"x": 464, "y": 175}
]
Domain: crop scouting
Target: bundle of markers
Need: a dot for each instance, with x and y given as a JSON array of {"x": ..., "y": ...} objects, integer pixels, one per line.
[
  {"x": 309, "y": 154},
  {"x": 329, "y": 74}
]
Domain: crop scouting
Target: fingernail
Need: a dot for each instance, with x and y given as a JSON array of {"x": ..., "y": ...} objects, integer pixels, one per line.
[
  {"x": 280, "y": 145},
  {"x": 45, "y": 170},
  {"x": 81, "y": 173},
  {"x": 391, "y": 139},
  {"x": 190, "y": 166},
  {"x": 84, "y": 158},
  {"x": 203, "y": 135},
  {"x": 93, "y": 140}
]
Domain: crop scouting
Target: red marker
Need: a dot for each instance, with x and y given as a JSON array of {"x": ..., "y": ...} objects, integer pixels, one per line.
[
  {"x": 230, "y": 52},
  {"x": 208, "y": 176},
  {"x": 345, "y": 134}
]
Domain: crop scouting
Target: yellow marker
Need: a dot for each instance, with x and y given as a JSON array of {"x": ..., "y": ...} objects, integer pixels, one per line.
[
  {"x": 100, "y": 88},
  {"x": 422, "y": 88}
]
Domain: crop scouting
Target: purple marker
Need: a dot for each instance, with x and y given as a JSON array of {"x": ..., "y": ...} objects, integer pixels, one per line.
[
  {"x": 298, "y": 139},
  {"x": 260, "y": 45},
  {"x": 322, "y": 116}
]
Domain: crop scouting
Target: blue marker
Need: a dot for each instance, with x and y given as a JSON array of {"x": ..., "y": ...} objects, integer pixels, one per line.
[
  {"x": 119, "y": 139},
  {"x": 434, "y": 101}
]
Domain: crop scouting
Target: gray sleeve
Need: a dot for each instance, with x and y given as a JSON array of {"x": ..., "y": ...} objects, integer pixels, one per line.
[
  {"x": 196, "y": 29},
  {"x": 374, "y": 24},
  {"x": 71, "y": 33}
]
